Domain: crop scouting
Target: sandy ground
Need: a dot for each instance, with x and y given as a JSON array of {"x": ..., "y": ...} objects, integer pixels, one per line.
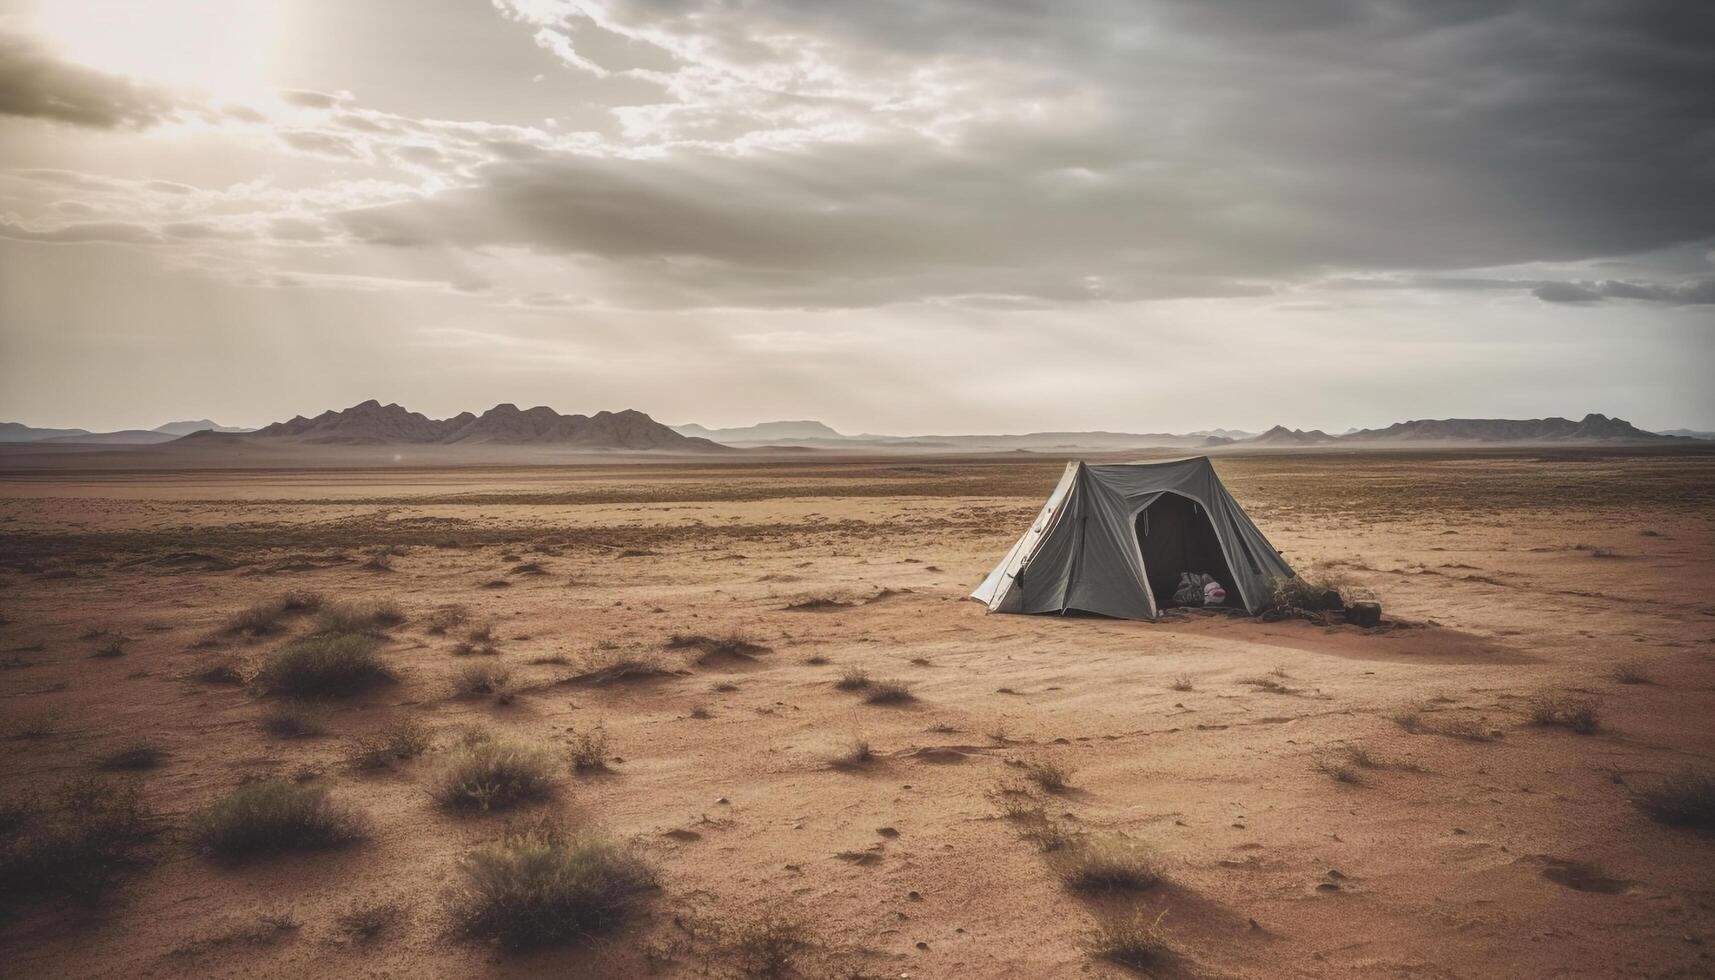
[{"x": 1518, "y": 854}]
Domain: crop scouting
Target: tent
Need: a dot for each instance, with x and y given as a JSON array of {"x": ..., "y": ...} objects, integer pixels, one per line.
[{"x": 1113, "y": 538}]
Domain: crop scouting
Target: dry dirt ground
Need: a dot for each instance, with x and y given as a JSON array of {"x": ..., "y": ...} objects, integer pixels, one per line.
[{"x": 1468, "y": 842}]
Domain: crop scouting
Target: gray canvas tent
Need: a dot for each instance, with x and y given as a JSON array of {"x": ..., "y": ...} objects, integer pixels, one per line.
[{"x": 1114, "y": 537}]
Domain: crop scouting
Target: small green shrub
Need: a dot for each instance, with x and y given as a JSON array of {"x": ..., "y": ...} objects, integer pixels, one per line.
[
  {"x": 889, "y": 692},
  {"x": 329, "y": 665},
  {"x": 273, "y": 816},
  {"x": 74, "y": 844},
  {"x": 486, "y": 772},
  {"x": 480, "y": 679},
  {"x": 1582, "y": 715},
  {"x": 541, "y": 885},
  {"x": 1686, "y": 799}
]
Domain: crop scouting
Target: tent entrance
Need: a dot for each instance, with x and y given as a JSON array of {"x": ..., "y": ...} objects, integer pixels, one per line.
[{"x": 1174, "y": 535}]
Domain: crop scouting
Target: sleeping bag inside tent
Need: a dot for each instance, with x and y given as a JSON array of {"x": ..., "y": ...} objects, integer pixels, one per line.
[{"x": 1121, "y": 539}]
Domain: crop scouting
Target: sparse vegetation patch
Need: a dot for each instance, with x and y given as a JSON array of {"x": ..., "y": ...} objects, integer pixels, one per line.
[
  {"x": 328, "y": 665},
  {"x": 1575, "y": 713},
  {"x": 732, "y": 645},
  {"x": 1106, "y": 863},
  {"x": 73, "y": 844},
  {"x": 488, "y": 772},
  {"x": 889, "y": 692},
  {"x": 1686, "y": 799},
  {"x": 272, "y": 816},
  {"x": 541, "y": 884},
  {"x": 403, "y": 740}
]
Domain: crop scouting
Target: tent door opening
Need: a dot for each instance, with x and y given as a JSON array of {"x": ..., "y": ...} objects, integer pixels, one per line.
[{"x": 1174, "y": 536}]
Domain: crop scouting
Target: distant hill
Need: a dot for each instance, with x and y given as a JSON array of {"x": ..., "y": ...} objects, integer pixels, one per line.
[
  {"x": 1591, "y": 428},
  {"x": 762, "y": 432},
  {"x": 1687, "y": 434},
  {"x": 123, "y": 437},
  {"x": 372, "y": 423},
  {"x": 16, "y": 432},
  {"x": 197, "y": 425},
  {"x": 1280, "y": 435},
  {"x": 19, "y": 432}
]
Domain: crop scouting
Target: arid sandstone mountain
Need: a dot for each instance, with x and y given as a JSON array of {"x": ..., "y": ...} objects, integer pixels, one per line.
[
  {"x": 1591, "y": 428},
  {"x": 372, "y": 423}
]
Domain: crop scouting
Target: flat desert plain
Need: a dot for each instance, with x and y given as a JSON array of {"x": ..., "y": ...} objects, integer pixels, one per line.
[{"x": 1286, "y": 799}]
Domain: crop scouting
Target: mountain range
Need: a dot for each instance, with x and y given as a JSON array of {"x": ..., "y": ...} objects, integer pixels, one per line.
[
  {"x": 18, "y": 432},
  {"x": 1592, "y": 428},
  {"x": 371, "y": 423}
]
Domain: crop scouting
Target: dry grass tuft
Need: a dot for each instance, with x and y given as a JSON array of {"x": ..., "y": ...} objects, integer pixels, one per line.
[
  {"x": 1414, "y": 719},
  {"x": 590, "y": 750},
  {"x": 1136, "y": 940},
  {"x": 134, "y": 758},
  {"x": 1108, "y": 863},
  {"x": 1051, "y": 776},
  {"x": 616, "y": 666},
  {"x": 446, "y": 618},
  {"x": 1034, "y": 823},
  {"x": 33, "y": 724},
  {"x": 475, "y": 680},
  {"x": 110, "y": 647},
  {"x": 1577, "y": 713},
  {"x": 733, "y": 645},
  {"x": 1686, "y": 799},
  {"x": 1632, "y": 671},
  {"x": 1340, "y": 765},
  {"x": 858, "y": 755},
  {"x": 403, "y": 740},
  {"x": 74, "y": 844},
  {"x": 541, "y": 885},
  {"x": 372, "y": 617},
  {"x": 294, "y": 720},
  {"x": 768, "y": 945},
  {"x": 1270, "y": 683},
  {"x": 1182, "y": 683},
  {"x": 853, "y": 680},
  {"x": 329, "y": 665},
  {"x": 223, "y": 672},
  {"x": 362, "y": 924},
  {"x": 816, "y": 660},
  {"x": 486, "y": 772},
  {"x": 889, "y": 692},
  {"x": 264, "y": 618},
  {"x": 478, "y": 642},
  {"x": 273, "y": 816}
]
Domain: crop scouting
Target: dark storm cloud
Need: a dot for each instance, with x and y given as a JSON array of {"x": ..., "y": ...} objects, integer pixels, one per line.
[
  {"x": 1697, "y": 293},
  {"x": 35, "y": 84},
  {"x": 1235, "y": 143}
]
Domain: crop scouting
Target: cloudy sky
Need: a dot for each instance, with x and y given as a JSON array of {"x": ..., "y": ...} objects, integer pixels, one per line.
[{"x": 895, "y": 215}]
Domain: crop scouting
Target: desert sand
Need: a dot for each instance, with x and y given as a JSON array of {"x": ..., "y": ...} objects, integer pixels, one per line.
[{"x": 1465, "y": 841}]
